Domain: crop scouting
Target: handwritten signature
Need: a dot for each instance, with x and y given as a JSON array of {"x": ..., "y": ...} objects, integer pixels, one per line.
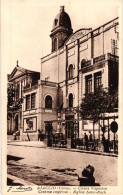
[{"x": 19, "y": 189}]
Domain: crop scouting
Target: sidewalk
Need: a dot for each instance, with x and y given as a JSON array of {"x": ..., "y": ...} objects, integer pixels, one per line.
[
  {"x": 16, "y": 181},
  {"x": 39, "y": 144}
]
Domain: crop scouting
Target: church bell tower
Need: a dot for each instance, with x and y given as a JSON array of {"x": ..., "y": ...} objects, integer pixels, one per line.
[{"x": 61, "y": 30}]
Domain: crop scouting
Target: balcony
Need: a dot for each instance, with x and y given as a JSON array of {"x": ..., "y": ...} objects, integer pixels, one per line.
[
  {"x": 48, "y": 83},
  {"x": 112, "y": 57},
  {"x": 30, "y": 86},
  {"x": 72, "y": 110},
  {"x": 72, "y": 80},
  {"x": 27, "y": 86},
  {"x": 86, "y": 63},
  {"x": 98, "y": 60}
]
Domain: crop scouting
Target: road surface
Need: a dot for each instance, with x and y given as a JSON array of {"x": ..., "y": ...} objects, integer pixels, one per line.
[{"x": 45, "y": 166}]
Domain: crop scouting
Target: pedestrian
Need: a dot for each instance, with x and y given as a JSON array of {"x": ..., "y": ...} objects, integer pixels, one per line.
[
  {"x": 103, "y": 143},
  {"x": 90, "y": 141},
  {"x": 103, "y": 140},
  {"x": 86, "y": 141},
  {"x": 39, "y": 135},
  {"x": 90, "y": 136}
]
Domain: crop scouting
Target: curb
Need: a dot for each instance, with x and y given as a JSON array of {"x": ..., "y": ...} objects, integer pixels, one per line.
[
  {"x": 17, "y": 180},
  {"x": 71, "y": 150},
  {"x": 85, "y": 151}
]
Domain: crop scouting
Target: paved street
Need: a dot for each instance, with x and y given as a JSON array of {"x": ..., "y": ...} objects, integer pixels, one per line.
[{"x": 45, "y": 166}]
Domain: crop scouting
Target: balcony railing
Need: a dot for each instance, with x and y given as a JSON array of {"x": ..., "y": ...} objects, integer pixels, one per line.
[
  {"x": 112, "y": 57},
  {"x": 31, "y": 86},
  {"x": 27, "y": 86},
  {"x": 86, "y": 63},
  {"x": 48, "y": 83},
  {"x": 99, "y": 58},
  {"x": 34, "y": 83},
  {"x": 71, "y": 109}
]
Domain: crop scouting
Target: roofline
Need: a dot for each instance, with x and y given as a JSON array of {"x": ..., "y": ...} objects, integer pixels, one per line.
[
  {"x": 79, "y": 30},
  {"x": 105, "y": 24},
  {"x": 23, "y": 69},
  {"x": 32, "y": 71}
]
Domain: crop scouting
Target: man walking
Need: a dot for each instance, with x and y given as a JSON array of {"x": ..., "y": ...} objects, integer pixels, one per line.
[{"x": 86, "y": 141}]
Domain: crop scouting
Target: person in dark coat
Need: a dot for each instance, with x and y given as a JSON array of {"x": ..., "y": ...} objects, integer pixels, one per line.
[
  {"x": 39, "y": 135},
  {"x": 90, "y": 140},
  {"x": 86, "y": 140},
  {"x": 103, "y": 140},
  {"x": 90, "y": 136}
]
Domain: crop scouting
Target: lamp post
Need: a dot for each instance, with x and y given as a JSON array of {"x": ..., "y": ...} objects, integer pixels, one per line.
[{"x": 59, "y": 116}]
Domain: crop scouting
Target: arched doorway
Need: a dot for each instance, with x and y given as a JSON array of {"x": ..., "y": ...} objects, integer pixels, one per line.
[
  {"x": 16, "y": 123},
  {"x": 9, "y": 123}
]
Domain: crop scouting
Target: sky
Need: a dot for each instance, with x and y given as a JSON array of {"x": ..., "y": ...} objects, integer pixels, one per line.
[{"x": 27, "y": 24}]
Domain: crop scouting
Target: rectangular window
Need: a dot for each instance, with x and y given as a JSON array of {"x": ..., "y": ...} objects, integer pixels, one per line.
[
  {"x": 97, "y": 81},
  {"x": 28, "y": 102},
  {"x": 88, "y": 84},
  {"x": 33, "y": 100}
]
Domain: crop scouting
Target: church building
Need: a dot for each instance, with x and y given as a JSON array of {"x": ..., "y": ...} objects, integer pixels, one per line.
[
  {"x": 19, "y": 79},
  {"x": 79, "y": 63}
]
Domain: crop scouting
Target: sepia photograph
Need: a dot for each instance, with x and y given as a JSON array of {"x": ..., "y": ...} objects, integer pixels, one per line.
[{"x": 61, "y": 100}]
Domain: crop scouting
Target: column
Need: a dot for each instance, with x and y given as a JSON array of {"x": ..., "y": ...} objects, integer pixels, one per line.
[
  {"x": 20, "y": 89},
  {"x": 77, "y": 69},
  {"x": 92, "y": 82},
  {"x": 90, "y": 46},
  {"x": 58, "y": 126},
  {"x": 13, "y": 125},
  {"x": 105, "y": 76},
  {"x": 65, "y": 91}
]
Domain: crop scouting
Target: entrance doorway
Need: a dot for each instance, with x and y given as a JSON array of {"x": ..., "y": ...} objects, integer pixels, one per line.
[
  {"x": 71, "y": 131},
  {"x": 69, "y": 126},
  {"x": 48, "y": 131}
]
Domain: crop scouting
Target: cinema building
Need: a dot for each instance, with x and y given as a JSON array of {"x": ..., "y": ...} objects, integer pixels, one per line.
[{"x": 79, "y": 63}]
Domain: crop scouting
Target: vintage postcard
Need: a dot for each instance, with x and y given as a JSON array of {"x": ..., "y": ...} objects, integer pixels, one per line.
[{"x": 61, "y": 94}]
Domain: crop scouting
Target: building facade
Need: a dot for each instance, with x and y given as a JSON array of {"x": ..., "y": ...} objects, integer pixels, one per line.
[
  {"x": 18, "y": 80},
  {"x": 79, "y": 63}
]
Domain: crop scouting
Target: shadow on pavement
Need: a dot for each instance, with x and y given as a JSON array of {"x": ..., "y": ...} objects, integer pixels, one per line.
[
  {"x": 11, "y": 183},
  {"x": 15, "y": 158}
]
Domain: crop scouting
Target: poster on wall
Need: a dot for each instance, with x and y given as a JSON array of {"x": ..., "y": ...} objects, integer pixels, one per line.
[{"x": 30, "y": 124}]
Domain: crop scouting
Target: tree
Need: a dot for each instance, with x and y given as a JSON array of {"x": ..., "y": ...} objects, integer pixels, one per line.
[
  {"x": 94, "y": 105},
  {"x": 11, "y": 103},
  {"x": 10, "y": 95}
]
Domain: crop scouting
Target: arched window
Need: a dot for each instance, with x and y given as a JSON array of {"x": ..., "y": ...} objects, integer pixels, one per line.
[
  {"x": 48, "y": 102},
  {"x": 70, "y": 100},
  {"x": 55, "y": 21},
  {"x": 83, "y": 62},
  {"x": 71, "y": 71},
  {"x": 55, "y": 44}
]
